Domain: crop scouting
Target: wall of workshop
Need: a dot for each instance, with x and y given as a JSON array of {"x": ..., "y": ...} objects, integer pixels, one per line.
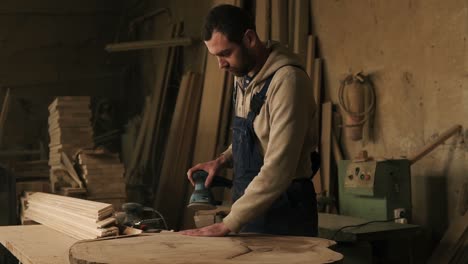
[
  {"x": 191, "y": 14},
  {"x": 50, "y": 48},
  {"x": 416, "y": 53}
]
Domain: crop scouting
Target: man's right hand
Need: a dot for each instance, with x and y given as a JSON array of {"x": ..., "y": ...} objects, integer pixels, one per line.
[{"x": 211, "y": 167}]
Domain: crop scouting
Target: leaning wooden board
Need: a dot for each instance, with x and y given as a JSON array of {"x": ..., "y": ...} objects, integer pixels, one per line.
[{"x": 173, "y": 248}]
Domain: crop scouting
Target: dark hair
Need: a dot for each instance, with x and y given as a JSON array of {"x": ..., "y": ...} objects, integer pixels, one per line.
[{"x": 230, "y": 20}]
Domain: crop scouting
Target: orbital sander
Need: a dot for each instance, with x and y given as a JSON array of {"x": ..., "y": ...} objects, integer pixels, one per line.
[{"x": 202, "y": 197}]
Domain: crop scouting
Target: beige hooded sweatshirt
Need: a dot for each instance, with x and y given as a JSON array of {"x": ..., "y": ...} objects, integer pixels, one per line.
[{"x": 285, "y": 129}]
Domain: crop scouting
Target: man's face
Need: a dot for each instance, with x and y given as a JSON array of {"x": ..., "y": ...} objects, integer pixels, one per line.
[{"x": 231, "y": 56}]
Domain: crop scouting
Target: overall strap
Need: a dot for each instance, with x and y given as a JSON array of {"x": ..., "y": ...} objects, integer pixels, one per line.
[{"x": 258, "y": 99}]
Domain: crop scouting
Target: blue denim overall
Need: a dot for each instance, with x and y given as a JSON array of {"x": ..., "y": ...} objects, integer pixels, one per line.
[{"x": 295, "y": 211}]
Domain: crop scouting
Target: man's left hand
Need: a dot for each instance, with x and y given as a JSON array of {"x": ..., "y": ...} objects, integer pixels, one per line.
[{"x": 214, "y": 230}]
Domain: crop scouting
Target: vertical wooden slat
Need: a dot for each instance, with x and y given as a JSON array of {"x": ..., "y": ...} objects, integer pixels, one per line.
[
  {"x": 301, "y": 28},
  {"x": 317, "y": 82},
  {"x": 279, "y": 21},
  {"x": 3, "y": 114},
  {"x": 263, "y": 19},
  {"x": 171, "y": 189},
  {"x": 310, "y": 56},
  {"x": 325, "y": 146},
  {"x": 291, "y": 28}
]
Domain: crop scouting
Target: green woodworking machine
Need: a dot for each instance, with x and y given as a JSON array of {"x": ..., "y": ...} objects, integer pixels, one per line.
[
  {"x": 374, "y": 189},
  {"x": 380, "y": 190}
]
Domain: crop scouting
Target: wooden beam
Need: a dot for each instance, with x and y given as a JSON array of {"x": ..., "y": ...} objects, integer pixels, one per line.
[
  {"x": 148, "y": 44},
  {"x": 429, "y": 147}
]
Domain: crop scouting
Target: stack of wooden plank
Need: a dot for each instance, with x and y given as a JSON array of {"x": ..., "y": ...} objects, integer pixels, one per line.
[
  {"x": 69, "y": 129},
  {"x": 103, "y": 175},
  {"x": 77, "y": 218},
  {"x": 31, "y": 176}
]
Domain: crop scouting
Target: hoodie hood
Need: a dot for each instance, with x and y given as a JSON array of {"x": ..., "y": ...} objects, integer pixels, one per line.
[{"x": 279, "y": 56}]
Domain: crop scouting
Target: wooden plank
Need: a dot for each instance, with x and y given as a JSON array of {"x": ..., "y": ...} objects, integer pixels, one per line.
[
  {"x": 36, "y": 244},
  {"x": 336, "y": 148},
  {"x": 291, "y": 23},
  {"x": 301, "y": 28},
  {"x": 131, "y": 169},
  {"x": 208, "y": 121},
  {"x": 169, "y": 248},
  {"x": 263, "y": 19},
  {"x": 317, "y": 86},
  {"x": 3, "y": 114},
  {"x": 311, "y": 57},
  {"x": 447, "y": 246},
  {"x": 148, "y": 44},
  {"x": 81, "y": 219},
  {"x": 172, "y": 180},
  {"x": 431, "y": 146},
  {"x": 162, "y": 102},
  {"x": 70, "y": 101},
  {"x": 279, "y": 21},
  {"x": 325, "y": 147},
  {"x": 94, "y": 209}
]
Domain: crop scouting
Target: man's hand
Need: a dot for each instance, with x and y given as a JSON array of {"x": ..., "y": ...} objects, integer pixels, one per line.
[
  {"x": 211, "y": 167},
  {"x": 214, "y": 230}
]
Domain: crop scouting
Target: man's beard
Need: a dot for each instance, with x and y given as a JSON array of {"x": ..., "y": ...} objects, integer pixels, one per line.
[{"x": 247, "y": 63}]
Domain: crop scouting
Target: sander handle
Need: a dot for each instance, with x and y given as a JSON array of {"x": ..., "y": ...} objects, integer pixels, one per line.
[{"x": 218, "y": 181}]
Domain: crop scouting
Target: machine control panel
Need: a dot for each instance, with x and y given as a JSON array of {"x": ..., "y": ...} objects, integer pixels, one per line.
[{"x": 360, "y": 175}]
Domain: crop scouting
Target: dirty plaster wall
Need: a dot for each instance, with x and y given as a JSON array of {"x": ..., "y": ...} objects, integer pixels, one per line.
[
  {"x": 50, "y": 48},
  {"x": 416, "y": 54}
]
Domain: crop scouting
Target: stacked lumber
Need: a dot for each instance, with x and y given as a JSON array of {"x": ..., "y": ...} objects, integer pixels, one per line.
[
  {"x": 69, "y": 130},
  {"x": 31, "y": 176},
  {"x": 80, "y": 219},
  {"x": 103, "y": 175}
]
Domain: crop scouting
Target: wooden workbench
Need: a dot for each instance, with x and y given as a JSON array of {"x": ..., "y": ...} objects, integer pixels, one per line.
[
  {"x": 37, "y": 244},
  {"x": 338, "y": 227}
]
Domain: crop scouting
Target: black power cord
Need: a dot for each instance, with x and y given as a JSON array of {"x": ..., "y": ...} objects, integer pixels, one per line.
[{"x": 363, "y": 224}]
